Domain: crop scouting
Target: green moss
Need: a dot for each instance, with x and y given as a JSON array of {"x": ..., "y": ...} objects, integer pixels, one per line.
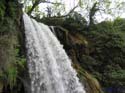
[
  {"x": 90, "y": 82},
  {"x": 2, "y": 9},
  {"x": 11, "y": 59}
]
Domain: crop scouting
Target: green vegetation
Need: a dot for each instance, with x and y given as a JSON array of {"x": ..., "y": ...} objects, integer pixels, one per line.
[{"x": 12, "y": 62}]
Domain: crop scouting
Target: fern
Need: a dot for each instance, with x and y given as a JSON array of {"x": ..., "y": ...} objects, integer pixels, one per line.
[{"x": 12, "y": 76}]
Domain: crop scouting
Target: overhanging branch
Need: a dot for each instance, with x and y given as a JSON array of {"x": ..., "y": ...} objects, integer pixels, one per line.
[
  {"x": 71, "y": 11},
  {"x": 49, "y": 2},
  {"x": 37, "y": 2}
]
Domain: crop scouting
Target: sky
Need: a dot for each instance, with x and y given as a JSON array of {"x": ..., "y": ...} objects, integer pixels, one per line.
[{"x": 100, "y": 16}]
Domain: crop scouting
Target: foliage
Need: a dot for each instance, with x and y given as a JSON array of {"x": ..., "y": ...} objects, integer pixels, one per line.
[
  {"x": 11, "y": 62},
  {"x": 107, "y": 61},
  {"x": 75, "y": 22},
  {"x": 2, "y": 9},
  {"x": 119, "y": 24},
  {"x": 10, "y": 59}
]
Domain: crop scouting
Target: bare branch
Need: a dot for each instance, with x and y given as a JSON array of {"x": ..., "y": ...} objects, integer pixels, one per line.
[
  {"x": 37, "y": 2},
  {"x": 33, "y": 7},
  {"x": 49, "y": 2},
  {"x": 71, "y": 11}
]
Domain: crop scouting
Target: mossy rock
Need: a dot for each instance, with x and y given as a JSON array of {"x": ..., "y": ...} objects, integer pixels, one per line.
[
  {"x": 1, "y": 87},
  {"x": 90, "y": 83}
]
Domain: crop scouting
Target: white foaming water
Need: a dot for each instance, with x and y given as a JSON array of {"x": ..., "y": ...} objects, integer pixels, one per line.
[
  {"x": 49, "y": 66},
  {"x": 52, "y": 29}
]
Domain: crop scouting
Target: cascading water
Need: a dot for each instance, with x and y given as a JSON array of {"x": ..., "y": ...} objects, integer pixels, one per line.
[
  {"x": 49, "y": 67},
  {"x": 52, "y": 29}
]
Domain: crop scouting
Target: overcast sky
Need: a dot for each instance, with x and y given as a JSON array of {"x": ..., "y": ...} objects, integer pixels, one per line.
[
  {"x": 69, "y": 4},
  {"x": 100, "y": 17}
]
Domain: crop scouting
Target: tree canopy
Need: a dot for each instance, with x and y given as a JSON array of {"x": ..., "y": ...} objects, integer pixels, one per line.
[{"x": 104, "y": 9}]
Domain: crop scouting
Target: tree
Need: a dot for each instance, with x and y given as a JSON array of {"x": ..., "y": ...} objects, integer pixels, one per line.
[
  {"x": 92, "y": 12},
  {"x": 30, "y": 6},
  {"x": 37, "y": 2},
  {"x": 90, "y": 9},
  {"x": 106, "y": 8}
]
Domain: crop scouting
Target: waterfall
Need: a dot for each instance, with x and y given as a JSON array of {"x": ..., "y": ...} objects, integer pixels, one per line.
[
  {"x": 52, "y": 29},
  {"x": 49, "y": 67}
]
